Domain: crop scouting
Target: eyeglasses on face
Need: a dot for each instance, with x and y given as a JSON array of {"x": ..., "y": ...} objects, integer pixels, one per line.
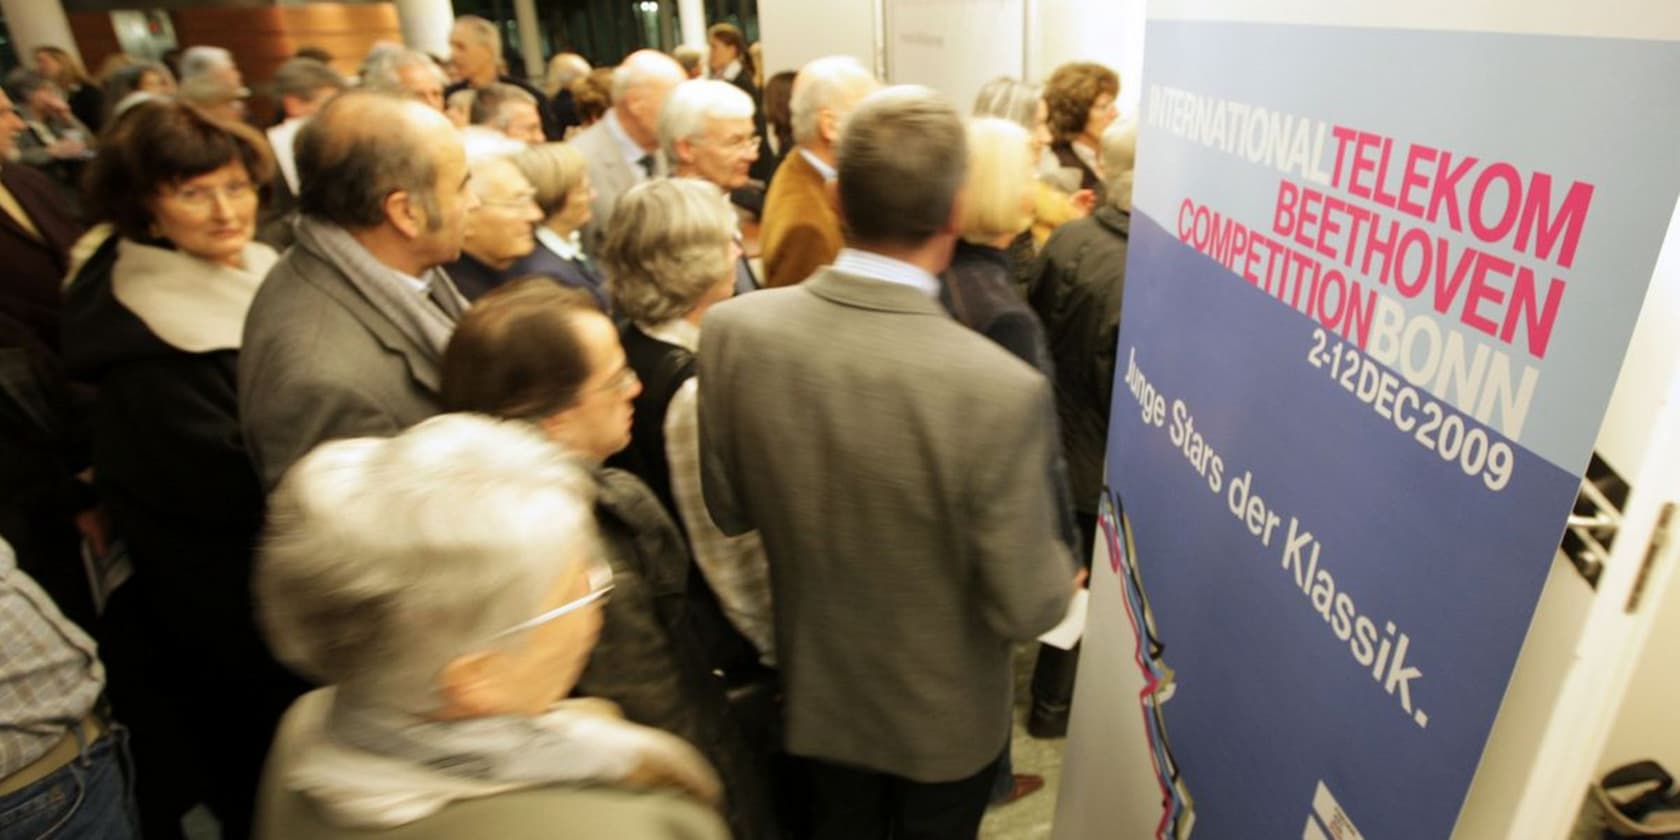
[
  {"x": 739, "y": 145},
  {"x": 569, "y": 607},
  {"x": 518, "y": 202},
  {"x": 621, "y": 382},
  {"x": 202, "y": 197}
]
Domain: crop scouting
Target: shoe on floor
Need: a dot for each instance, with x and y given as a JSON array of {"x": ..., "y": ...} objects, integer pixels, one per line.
[{"x": 1026, "y": 784}]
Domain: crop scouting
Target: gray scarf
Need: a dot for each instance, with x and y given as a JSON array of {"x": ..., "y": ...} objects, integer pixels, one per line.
[
  {"x": 428, "y": 323},
  {"x": 492, "y": 749}
]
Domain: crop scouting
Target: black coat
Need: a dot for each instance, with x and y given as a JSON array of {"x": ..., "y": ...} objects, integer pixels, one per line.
[
  {"x": 172, "y": 471},
  {"x": 648, "y": 660},
  {"x": 978, "y": 288},
  {"x": 35, "y": 268},
  {"x": 576, "y": 274},
  {"x": 1077, "y": 294}
]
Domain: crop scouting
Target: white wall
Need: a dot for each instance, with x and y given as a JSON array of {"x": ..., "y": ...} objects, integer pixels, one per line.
[
  {"x": 954, "y": 46},
  {"x": 796, "y": 31},
  {"x": 1648, "y": 725},
  {"x": 1652, "y": 359},
  {"x": 979, "y": 39},
  {"x": 1105, "y": 31}
]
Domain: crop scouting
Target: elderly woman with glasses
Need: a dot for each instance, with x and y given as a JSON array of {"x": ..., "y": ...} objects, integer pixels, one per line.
[
  {"x": 446, "y": 586},
  {"x": 536, "y": 351},
  {"x": 154, "y": 319}
]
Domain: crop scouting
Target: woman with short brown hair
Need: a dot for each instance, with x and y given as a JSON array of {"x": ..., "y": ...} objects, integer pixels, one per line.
[
  {"x": 1080, "y": 96},
  {"x": 154, "y": 319}
]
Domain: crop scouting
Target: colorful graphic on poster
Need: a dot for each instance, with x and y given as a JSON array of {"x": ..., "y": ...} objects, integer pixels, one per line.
[{"x": 1380, "y": 283}]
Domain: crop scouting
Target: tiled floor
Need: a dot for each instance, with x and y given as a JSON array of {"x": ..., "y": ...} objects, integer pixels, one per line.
[{"x": 1028, "y": 818}]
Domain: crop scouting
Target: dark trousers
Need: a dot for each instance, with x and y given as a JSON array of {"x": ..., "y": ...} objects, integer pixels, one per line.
[
  {"x": 850, "y": 803},
  {"x": 1054, "y": 673}
]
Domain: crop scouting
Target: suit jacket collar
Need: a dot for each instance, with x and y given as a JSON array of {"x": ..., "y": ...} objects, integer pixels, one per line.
[
  {"x": 330, "y": 280},
  {"x": 39, "y": 198},
  {"x": 868, "y": 293}
]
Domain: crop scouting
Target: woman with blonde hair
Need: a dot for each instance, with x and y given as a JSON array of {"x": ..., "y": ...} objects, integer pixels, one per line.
[
  {"x": 1057, "y": 199},
  {"x": 979, "y": 290},
  {"x": 561, "y": 178},
  {"x": 86, "y": 100}
]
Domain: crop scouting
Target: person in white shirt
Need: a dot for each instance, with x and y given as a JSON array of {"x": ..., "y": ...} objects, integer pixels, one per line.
[{"x": 303, "y": 86}]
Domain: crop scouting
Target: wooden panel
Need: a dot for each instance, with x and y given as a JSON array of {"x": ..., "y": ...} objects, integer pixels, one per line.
[
  {"x": 263, "y": 39},
  {"x": 95, "y": 38}
]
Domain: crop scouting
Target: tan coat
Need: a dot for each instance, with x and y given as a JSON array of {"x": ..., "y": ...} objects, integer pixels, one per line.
[
  {"x": 546, "y": 813},
  {"x": 801, "y": 230}
]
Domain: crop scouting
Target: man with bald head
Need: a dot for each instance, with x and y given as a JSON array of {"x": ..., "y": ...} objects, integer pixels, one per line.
[
  {"x": 345, "y": 335},
  {"x": 801, "y": 230},
  {"x": 622, "y": 148}
]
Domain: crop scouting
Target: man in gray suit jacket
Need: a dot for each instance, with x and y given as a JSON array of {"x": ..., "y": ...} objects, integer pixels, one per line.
[
  {"x": 622, "y": 148},
  {"x": 345, "y": 336},
  {"x": 902, "y": 488}
]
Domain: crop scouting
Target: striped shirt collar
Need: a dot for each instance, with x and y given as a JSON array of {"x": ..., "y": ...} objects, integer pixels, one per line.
[{"x": 878, "y": 267}]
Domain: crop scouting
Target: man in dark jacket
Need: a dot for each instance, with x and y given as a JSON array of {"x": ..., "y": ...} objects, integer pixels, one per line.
[
  {"x": 36, "y": 232},
  {"x": 1077, "y": 293},
  {"x": 476, "y": 49}
]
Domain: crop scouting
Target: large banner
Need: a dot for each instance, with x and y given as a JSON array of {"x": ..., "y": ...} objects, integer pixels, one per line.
[{"x": 1380, "y": 283}]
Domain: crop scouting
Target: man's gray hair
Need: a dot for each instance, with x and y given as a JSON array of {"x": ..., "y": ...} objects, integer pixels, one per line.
[
  {"x": 385, "y": 559},
  {"x": 301, "y": 77},
  {"x": 667, "y": 245},
  {"x": 197, "y": 61},
  {"x": 689, "y": 56},
  {"x": 901, "y": 162},
  {"x": 1119, "y": 152},
  {"x": 695, "y": 102},
  {"x": 1010, "y": 99},
  {"x": 487, "y": 105},
  {"x": 381, "y": 71},
  {"x": 484, "y": 32},
  {"x": 834, "y": 83}
]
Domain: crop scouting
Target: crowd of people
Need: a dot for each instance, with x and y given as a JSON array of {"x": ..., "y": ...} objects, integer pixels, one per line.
[{"x": 367, "y": 474}]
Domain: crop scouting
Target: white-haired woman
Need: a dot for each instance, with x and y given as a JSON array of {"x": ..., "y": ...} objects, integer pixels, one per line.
[{"x": 443, "y": 584}]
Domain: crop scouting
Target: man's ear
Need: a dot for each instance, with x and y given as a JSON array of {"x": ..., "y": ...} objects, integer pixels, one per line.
[
  {"x": 468, "y": 687},
  {"x": 685, "y": 153},
  {"x": 404, "y": 213},
  {"x": 959, "y": 209},
  {"x": 828, "y": 127}
]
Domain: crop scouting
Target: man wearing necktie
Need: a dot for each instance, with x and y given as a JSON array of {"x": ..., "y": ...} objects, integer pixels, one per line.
[
  {"x": 706, "y": 132},
  {"x": 622, "y": 148}
]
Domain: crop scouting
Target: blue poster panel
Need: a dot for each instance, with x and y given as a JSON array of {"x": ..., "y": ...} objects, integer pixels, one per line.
[{"x": 1380, "y": 285}]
